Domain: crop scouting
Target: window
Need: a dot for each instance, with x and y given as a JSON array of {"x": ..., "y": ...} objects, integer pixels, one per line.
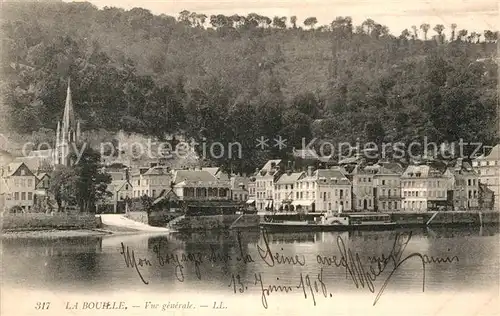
[
  {"x": 23, "y": 196},
  {"x": 30, "y": 183},
  {"x": 23, "y": 172},
  {"x": 16, "y": 196},
  {"x": 383, "y": 182},
  {"x": 30, "y": 196}
]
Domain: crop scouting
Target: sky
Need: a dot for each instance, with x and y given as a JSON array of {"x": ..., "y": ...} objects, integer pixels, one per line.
[{"x": 475, "y": 15}]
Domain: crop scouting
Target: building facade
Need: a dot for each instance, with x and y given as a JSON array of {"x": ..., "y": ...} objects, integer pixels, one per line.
[
  {"x": 151, "y": 181},
  {"x": 239, "y": 188},
  {"x": 387, "y": 184},
  {"x": 362, "y": 188},
  {"x": 285, "y": 190},
  {"x": 464, "y": 185},
  {"x": 424, "y": 187},
  {"x": 265, "y": 179},
  {"x": 333, "y": 191},
  {"x": 487, "y": 167},
  {"x": 199, "y": 185},
  {"x": 19, "y": 182}
]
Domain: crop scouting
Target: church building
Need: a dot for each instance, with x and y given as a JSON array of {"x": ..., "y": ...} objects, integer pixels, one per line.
[{"x": 67, "y": 134}]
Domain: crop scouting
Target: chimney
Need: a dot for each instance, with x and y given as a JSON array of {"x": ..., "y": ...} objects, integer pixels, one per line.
[{"x": 289, "y": 172}]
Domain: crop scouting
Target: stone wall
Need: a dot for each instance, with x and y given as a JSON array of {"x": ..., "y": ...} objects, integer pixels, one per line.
[
  {"x": 42, "y": 221},
  {"x": 138, "y": 216},
  {"x": 206, "y": 222}
]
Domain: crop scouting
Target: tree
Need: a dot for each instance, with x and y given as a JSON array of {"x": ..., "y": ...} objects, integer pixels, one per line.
[
  {"x": 425, "y": 28},
  {"x": 91, "y": 181},
  {"x": 439, "y": 28},
  {"x": 63, "y": 185},
  {"x": 342, "y": 27},
  {"x": 405, "y": 34},
  {"x": 184, "y": 17},
  {"x": 293, "y": 20},
  {"x": 310, "y": 22},
  {"x": 462, "y": 34},
  {"x": 368, "y": 26},
  {"x": 279, "y": 22},
  {"x": 453, "y": 29},
  {"x": 415, "y": 32}
]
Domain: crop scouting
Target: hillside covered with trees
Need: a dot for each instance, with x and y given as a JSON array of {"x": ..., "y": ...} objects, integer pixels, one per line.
[{"x": 237, "y": 78}]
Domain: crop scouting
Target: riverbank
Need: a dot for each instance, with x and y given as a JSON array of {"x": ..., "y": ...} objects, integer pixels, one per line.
[
  {"x": 67, "y": 233},
  {"x": 37, "y": 225}
]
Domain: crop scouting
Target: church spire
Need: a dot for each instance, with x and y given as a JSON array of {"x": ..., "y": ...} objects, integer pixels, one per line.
[{"x": 68, "y": 123}]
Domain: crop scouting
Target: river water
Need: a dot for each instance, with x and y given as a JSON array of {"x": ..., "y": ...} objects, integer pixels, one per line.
[{"x": 454, "y": 271}]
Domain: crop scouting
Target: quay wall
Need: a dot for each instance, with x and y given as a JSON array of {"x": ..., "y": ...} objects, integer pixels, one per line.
[
  {"x": 402, "y": 219},
  {"x": 217, "y": 222},
  {"x": 446, "y": 218},
  {"x": 42, "y": 221}
]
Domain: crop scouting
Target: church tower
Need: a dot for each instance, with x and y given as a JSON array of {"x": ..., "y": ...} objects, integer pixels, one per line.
[{"x": 67, "y": 134}]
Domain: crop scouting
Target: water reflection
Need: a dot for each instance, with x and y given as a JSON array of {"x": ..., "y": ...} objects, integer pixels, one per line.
[{"x": 83, "y": 264}]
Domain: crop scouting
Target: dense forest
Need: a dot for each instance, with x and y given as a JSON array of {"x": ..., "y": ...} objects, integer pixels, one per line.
[{"x": 237, "y": 78}]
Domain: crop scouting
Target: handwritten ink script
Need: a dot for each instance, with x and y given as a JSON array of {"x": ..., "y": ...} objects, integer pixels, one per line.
[{"x": 373, "y": 273}]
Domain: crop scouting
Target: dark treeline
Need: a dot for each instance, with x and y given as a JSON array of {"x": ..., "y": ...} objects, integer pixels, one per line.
[{"x": 237, "y": 78}]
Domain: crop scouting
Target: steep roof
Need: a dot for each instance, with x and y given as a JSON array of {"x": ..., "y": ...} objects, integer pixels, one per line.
[
  {"x": 212, "y": 170},
  {"x": 269, "y": 164},
  {"x": 494, "y": 153},
  {"x": 41, "y": 175},
  {"x": 13, "y": 167},
  {"x": 116, "y": 185},
  {"x": 193, "y": 176},
  {"x": 157, "y": 171},
  {"x": 421, "y": 171},
  {"x": 289, "y": 178},
  {"x": 330, "y": 174}
]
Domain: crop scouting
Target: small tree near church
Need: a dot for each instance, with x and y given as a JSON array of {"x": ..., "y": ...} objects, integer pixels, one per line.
[{"x": 84, "y": 183}]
